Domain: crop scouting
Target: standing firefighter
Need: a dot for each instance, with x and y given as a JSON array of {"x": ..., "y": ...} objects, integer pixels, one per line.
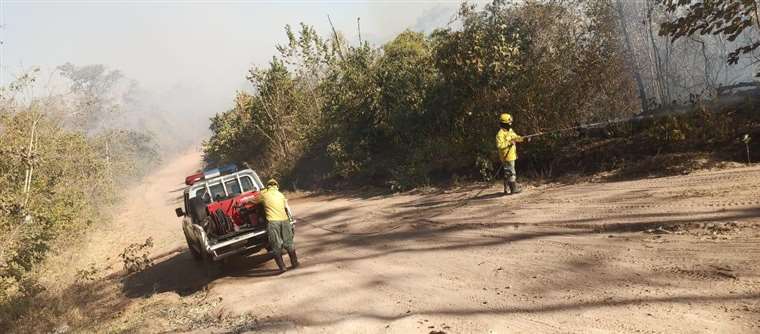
[
  {"x": 279, "y": 228},
  {"x": 506, "y": 142}
]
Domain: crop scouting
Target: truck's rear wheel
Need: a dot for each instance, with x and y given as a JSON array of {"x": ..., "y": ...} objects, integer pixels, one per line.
[
  {"x": 197, "y": 210},
  {"x": 196, "y": 255},
  {"x": 213, "y": 268}
]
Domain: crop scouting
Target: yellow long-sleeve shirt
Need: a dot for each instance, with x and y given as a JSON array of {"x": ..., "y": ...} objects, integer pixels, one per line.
[{"x": 506, "y": 142}]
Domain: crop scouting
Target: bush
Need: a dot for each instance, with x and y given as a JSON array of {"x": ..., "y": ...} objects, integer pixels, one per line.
[
  {"x": 55, "y": 176},
  {"x": 136, "y": 257},
  {"x": 421, "y": 108}
]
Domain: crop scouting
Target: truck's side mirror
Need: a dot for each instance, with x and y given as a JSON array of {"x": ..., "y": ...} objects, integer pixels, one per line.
[{"x": 179, "y": 212}]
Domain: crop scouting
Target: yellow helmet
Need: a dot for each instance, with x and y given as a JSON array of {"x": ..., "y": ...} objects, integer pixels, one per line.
[
  {"x": 272, "y": 183},
  {"x": 505, "y": 118}
]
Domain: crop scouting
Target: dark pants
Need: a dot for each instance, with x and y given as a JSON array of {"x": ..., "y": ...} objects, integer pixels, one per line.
[{"x": 280, "y": 235}]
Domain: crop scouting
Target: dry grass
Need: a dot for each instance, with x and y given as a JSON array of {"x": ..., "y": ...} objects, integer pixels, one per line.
[
  {"x": 668, "y": 165},
  {"x": 89, "y": 300}
]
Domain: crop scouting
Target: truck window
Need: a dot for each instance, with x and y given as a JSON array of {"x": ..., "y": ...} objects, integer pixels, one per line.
[
  {"x": 217, "y": 191},
  {"x": 247, "y": 183},
  {"x": 233, "y": 188}
]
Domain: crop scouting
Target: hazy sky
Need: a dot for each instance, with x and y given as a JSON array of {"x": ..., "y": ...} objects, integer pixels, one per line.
[{"x": 199, "y": 48}]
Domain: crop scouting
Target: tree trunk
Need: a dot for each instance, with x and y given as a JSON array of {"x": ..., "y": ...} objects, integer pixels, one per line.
[
  {"x": 658, "y": 77},
  {"x": 29, "y": 164},
  {"x": 632, "y": 58}
]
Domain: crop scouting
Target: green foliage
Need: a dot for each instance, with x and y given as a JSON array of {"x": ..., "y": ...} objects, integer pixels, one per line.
[
  {"x": 129, "y": 154},
  {"x": 421, "y": 107},
  {"x": 67, "y": 184},
  {"x": 55, "y": 177}
]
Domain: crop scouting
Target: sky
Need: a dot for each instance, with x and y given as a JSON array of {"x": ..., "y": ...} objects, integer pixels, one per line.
[{"x": 197, "y": 51}]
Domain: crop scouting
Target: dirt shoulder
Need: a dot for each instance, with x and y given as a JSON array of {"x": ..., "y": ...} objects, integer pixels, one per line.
[{"x": 671, "y": 254}]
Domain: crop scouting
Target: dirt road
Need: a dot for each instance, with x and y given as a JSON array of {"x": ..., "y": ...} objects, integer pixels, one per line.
[{"x": 663, "y": 255}]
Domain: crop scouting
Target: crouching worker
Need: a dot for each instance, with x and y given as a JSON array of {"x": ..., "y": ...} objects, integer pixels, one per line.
[
  {"x": 506, "y": 142},
  {"x": 279, "y": 228}
]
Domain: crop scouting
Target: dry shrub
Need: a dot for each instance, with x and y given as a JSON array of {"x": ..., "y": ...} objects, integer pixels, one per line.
[{"x": 136, "y": 256}]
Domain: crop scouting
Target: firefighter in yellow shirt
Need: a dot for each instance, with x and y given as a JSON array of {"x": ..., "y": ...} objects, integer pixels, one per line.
[
  {"x": 279, "y": 228},
  {"x": 506, "y": 142}
]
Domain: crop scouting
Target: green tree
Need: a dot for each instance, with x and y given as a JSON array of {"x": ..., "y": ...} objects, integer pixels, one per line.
[
  {"x": 421, "y": 107},
  {"x": 55, "y": 178}
]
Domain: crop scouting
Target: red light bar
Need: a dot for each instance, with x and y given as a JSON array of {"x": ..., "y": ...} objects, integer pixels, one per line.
[{"x": 190, "y": 180}]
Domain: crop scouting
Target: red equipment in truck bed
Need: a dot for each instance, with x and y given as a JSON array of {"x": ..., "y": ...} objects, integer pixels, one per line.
[{"x": 232, "y": 208}]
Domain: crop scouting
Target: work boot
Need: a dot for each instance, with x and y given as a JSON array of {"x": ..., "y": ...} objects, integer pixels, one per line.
[
  {"x": 506, "y": 188},
  {"x": 280, "y": 262},
  {"x": 514, "y": 188},
  {"x": 293, "y": 259}
]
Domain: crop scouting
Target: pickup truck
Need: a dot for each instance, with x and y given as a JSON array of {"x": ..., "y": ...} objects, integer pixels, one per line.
[{"x": 215, "y": 221}]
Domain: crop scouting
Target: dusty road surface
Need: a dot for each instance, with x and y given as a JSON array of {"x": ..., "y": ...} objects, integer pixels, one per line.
[{"x": 661, "y": 255}]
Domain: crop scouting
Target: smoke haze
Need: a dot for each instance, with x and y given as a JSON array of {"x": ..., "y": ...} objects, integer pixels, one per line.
[{"x": 187, "y": 58}]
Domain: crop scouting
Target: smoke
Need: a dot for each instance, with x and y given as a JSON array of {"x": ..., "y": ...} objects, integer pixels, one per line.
[
  {"x": 440, "y": 16},
  {"x": 96, "y": 99},
  {"x": 682, "y": 71},
  {"x": 183, "y": 63},
  {"x": 174, "y": 118}
]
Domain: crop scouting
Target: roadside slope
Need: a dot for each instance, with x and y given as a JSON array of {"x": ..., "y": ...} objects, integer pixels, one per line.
[
  {"x": 84, "y": 284},
  {"x": 146, "y": 212}
]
